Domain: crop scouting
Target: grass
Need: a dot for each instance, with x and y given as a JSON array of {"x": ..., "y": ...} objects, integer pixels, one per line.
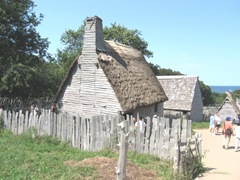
[
  {"x": 200, "y": 125},
  {"x": 25, "y": 157}
]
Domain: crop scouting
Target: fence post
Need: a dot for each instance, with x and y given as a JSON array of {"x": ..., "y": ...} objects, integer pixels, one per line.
[{"x": 121, "y": 166}]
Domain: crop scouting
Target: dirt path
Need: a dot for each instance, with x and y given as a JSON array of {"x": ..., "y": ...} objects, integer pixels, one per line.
[{"x": 221, "y": 164}]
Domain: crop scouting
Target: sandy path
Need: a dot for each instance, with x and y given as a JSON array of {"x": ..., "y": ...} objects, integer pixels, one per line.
[{"x": 221, "y": 164}]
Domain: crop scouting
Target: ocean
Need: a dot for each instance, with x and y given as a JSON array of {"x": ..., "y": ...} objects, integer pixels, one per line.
[{"x": 223, "y": 89}]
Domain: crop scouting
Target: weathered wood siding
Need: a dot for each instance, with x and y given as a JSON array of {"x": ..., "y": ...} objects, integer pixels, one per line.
[
  {"x": 89, "y": 91},
  {"x": 184, "y": 95},
  {"x": 197, "y": 104},
  {"x": 149, "y": 111}
]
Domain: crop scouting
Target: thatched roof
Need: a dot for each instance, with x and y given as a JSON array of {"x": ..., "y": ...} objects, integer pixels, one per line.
[
  {"x": 129, "y": 74},
  {"x": 131, "y": 77},
  {"x": 230, "y": 100},
  {"x": 180, "y": 91}
]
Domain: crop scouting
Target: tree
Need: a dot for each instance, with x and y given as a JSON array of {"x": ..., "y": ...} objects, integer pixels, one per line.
[
  {"x": 128, "y": 37},
  {"x": 158, "y": 71},
  {"x": 167, "y": 72},
  {"x": 17, "y": 81},
  {"x": 218, "y": 98},
  {"x": 207, "y": 96},
  {"x": 73, "y": 41},
  {"x": 236, "y": 94},
  {"x": 22, "y": 49}
]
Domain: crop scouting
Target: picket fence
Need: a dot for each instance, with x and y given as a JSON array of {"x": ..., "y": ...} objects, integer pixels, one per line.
[{"x": 162, "y": 138}]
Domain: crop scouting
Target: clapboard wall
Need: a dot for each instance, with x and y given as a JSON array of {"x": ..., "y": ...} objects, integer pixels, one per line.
[{"x": 88, "y": 91}]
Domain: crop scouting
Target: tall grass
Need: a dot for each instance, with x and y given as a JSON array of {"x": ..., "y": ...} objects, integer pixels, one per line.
[{"x": 28, "y": 157}]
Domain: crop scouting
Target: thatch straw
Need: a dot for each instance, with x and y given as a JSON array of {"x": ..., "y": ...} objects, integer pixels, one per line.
[{"x": 131, "y": 77}]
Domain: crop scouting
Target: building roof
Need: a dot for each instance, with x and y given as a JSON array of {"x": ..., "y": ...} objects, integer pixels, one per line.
[
  {"x": 129, "y": 74},
  {"x": 180, "y": 91},
  {"x": 230, "y": 100}
]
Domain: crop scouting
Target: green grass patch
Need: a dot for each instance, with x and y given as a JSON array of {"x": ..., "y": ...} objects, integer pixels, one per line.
[
  {"x": 25, "y": 157},
  {"x": 200, "y": 125}
]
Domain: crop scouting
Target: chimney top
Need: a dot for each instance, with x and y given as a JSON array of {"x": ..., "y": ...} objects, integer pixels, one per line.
[{"x": 93, "y": 18}]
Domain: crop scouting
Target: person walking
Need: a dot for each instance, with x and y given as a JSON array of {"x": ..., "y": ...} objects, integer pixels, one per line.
[
  {"x": 227, "y": 131},
  {"x": 217, "y": 123},
  {"x": 237, "y": 135},
  {"x": 142, "y": 124},
  {"x": 211, "y": 124}
]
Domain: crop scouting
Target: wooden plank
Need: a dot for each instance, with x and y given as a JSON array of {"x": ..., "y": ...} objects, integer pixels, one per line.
[
  {"x": 189, "y": 128},
  {"x": 77, "y": 133},
  {"x": 6, "y": 120},
  {"x": 83, "y": 134},
  {"x": 9, "y": 117},
  {"x": 14, "y": 122},
  {"x": 64, "y": 127},
  {"x": 21, "y": 122},
  {"x": 26, "y": 121},
  {"x": 147, "y": 135},
  {"x": 93, "y": 124},
  {"x": 99, "y": 133},
  {"x": 73, "y": 131},
  {"x": 88, "y": 128},
  {"x": 121, "y": 166},
  {"x": 161, "y": 138},
  {"x": 184, "y": 132},
  {"x": 70, "y": 128},
  {"x": 166, "y": 147}
]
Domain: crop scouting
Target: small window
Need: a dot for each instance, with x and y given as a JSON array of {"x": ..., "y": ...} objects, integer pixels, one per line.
[{"x": 156, "y": 108}]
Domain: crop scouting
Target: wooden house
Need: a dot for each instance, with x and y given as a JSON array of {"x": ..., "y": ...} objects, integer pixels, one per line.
[
  {"x": 228, "y": 108},
  {"x": 109, "y": 78},
  {"x": 184, "y": 97}
]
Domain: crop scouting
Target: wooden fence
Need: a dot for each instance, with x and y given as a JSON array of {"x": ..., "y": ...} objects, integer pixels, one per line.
[{"x": 161, "y": 138}]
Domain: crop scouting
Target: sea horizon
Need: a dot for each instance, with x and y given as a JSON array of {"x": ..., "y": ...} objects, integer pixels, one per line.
[{"x": 223, "y": 89}]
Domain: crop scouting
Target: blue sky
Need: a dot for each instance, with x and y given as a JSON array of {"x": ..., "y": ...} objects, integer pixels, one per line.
[{"x": 195, "y": 37}]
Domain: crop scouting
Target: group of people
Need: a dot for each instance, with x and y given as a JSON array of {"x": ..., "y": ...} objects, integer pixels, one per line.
[{"x": 227, "y": 129}]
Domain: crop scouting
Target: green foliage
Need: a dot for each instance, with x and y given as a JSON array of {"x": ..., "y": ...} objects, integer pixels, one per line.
[
  {"x": 18, "y": 80},
  {"x": 158, "y": 71},
  {"x": 128, "y": 37},
  {"x": 23, "y": 71},
  {"x": 73, "y": 41},
  {"x": 20, "y": 43},
  {"x": 29, "y": 82},
  {"x": 236, "y": 94},
  {"x": 218, "y": 98},
  {"x": 206, "y": 94},
  {"x": 193, "y": 166},
  {"x": 50, "y": 78},
  {"x": 164, "y": 71}
]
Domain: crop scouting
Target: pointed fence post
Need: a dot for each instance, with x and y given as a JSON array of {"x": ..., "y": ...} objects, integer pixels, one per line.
[{"x": 122, "y": 159}]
